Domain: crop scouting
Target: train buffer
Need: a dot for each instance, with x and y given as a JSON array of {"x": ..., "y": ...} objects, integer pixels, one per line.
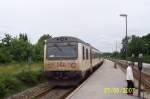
[{"x": 105, "y": 83}]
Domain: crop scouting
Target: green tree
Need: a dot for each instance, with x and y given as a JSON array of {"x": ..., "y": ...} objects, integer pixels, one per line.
[
  {"x": 7, "y": 40},
  {"x": 39, "y": 47},
  {"x": 5, "y": 55},
  {"x": 124, "y": 45},
  {"x": 115, "y": 54},
  {"x": 5, "y": 44},
  {"x": 136, "y": 46},
  {"x": 23, "y": 37},
  {"x": 20, "y": 49},
  {"x": 146, "y": 40}
]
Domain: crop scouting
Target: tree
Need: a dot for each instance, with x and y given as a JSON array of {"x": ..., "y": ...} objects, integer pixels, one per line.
[
  {"x": 136, "y": 45},
  {"x": 5, "y": 49},
  {"x": 124, "y": 45},
  {"x": 6, "y": 40},
  {"x": 146, "y": 39},
  {"x": 20, "y": 50},
  {"x": 39, "y": 47},
  {"x": 23, "y": 37},
  {"x": 4, "y": 55},
  {"x": 115, "y": 54}
]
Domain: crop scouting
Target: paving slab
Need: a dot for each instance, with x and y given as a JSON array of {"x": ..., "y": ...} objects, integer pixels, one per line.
[{"x": 101, "y": 83}]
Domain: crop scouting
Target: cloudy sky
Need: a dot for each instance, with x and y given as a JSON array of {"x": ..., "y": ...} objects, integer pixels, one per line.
[{"x": 95, "y": 21}]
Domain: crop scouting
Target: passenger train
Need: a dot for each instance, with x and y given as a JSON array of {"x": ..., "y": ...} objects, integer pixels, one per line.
[{"x": 69, "y": 58}]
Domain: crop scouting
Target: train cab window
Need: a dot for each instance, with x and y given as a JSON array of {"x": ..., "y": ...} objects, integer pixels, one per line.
[
  {"x": 87, "y": 56},
  {"x": 61, "y": 51},
  {"x": 83, "y": 53}
]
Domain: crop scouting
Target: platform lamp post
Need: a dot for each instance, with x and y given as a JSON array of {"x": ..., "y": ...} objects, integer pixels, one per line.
[
  {"x": 126, "y": 39},
  {"x": 140, "y": 61}
]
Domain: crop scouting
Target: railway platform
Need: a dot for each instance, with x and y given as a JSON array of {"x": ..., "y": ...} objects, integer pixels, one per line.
[{"x": 103, "y": 84}]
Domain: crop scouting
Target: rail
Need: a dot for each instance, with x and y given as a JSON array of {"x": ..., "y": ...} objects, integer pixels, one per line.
[{"x": 32, "y": 92}]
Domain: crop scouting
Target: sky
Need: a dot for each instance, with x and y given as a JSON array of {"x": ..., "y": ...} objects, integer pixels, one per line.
[{"x": 94, "y": 21}]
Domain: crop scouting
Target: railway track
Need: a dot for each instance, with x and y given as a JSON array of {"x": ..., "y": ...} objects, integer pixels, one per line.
[
  {"x": 145, "y": 77},
  {"x": 56, "y": 93},
  {"x": 32, "y": 92},
  {"x": 44, "y": 91}
]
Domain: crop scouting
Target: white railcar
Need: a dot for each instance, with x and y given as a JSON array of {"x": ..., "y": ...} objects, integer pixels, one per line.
[{"x": 69, "y": 58}]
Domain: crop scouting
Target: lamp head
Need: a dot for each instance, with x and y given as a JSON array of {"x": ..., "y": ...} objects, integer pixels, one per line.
[{"x": 123, "y": 15}]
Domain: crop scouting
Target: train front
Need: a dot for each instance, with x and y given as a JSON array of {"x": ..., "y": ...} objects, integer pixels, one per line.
[{"x": 61, "y": 59}]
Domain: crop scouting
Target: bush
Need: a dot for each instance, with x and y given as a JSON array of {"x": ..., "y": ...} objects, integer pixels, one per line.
[
  {"x": 2, "y": 88},
  {"x": 29, "y": 77},
  {"x": 9, "y": 85}
]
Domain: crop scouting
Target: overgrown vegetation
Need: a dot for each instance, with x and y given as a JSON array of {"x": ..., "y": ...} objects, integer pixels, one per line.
[
  {"x": 11, "y": 84},
  {"x": 15, "y": 68},
  {"x": 20, "y": 63}
]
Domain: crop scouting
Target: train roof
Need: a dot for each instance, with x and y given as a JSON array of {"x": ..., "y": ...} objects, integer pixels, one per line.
[
  {"x": 68, "y": 39},
  {"x": 65, "y": 39}
]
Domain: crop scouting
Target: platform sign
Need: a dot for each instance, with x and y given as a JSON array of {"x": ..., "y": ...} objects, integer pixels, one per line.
[{"x": 140, "y": 61}]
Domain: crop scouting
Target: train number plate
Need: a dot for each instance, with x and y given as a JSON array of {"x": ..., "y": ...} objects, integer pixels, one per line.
[{"x": 65, "y": 64}]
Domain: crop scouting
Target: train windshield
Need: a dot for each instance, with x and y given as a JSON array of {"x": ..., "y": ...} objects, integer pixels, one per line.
[{"x": 61, "y": 51}]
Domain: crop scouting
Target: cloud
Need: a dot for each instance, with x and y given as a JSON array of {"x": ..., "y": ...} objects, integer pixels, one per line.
[{"x": 95, "y": 21}]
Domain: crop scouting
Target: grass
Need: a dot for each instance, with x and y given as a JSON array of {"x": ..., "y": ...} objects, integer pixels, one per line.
[
  {"x": 19, "y": 67},
  {"x": 16, "y": 77},
  {"x": 19, "y": 76},
  {"x": 11, "y": 84}
]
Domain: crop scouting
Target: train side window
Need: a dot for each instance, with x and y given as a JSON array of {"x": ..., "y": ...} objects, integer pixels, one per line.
[
  {"x": 83, "y": 55},
  {"x": 87, "y": 56}
]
